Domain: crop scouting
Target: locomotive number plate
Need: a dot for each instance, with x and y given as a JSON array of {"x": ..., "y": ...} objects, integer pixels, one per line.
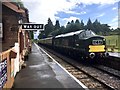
[
  {"x": 97, "y": 42},
  {"x": 97, "y": 48}
]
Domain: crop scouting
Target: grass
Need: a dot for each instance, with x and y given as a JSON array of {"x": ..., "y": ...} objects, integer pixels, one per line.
[{"x": 113, "y": 43}]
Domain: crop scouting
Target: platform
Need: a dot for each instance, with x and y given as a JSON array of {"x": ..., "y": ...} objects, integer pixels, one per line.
[
  {"x": 114, "y": 54},
  {"x": 43, "y": 72}
]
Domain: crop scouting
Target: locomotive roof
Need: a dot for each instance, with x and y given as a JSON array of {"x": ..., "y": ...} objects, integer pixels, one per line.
[
  {"x": 46, "y": 38},
  {"x": 69, "y": 34}
]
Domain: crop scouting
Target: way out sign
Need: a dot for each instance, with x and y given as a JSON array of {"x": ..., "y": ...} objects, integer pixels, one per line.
[{"x": 33, "y": 26}]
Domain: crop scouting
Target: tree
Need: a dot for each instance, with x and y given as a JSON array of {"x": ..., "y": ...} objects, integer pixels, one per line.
[
  {"x": 71, "y": 27},
  {"x": 82, "y": 25},
  {"x": 77, "y": 21},
  {"x": 41, "y": 35},
  {"x": 105, "y": 29},
  {"x": 67, "y": 27},
  {"x": 48, "y": 27},
  {"x": 117, "y": 30},
  {"x": 72, "y": 22},
  {"x": 68, "y": 23},
  {"x": 102, "y": 29},
  {"x": 77, "y": 25},
  {"x": 89, "y": 25},
  {"x": 56, "y": 29},
  {"x": 97, "y": 27},
  {"x": 57, "y": 25},
  {"x": 62, "y": 30},
  {"x": 31, "y": 34}
]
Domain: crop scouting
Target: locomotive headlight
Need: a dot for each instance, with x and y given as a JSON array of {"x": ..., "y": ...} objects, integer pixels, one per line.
[{"x": 104, "y": 39}]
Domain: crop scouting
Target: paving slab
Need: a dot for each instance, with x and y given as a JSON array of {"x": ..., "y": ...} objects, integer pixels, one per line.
[{"x": 42, "y": 72}]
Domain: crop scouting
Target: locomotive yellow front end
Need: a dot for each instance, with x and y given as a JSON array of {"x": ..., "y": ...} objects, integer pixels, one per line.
[{"x": 97, "y": 48}]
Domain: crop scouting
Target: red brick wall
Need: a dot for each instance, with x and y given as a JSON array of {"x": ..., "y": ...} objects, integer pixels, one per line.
[{"x": 9, "y": 19}]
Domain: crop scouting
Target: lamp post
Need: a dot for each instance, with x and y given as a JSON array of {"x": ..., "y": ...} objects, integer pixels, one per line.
[{"x": 119, "y": 14}]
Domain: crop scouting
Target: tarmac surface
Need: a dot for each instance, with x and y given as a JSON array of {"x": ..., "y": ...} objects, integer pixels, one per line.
[{"x": 43, "y": 72}]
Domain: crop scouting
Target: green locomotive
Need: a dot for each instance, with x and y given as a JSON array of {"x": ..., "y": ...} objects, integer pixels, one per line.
[{"x": 82, "y": 43}]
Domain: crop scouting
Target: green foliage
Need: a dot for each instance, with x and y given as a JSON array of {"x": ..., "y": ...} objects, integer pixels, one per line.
[
  {"x": 82, "y": 25},
  {"x": 31, "y": 35},
  {"x": 96, "y": 26},
  {"x": 71, "y": 27},
  {"x": 48, "y": 27},
  {"x": 57, "y": 25},
  {"x": 115, "y": 32},
  {"x": 77, "y": 21},
  {"x": 113, "y": 40},
  {"x": 61, "y": 30},
  {"x": 41, "y": 35},
  {"x": 89, "y": 25}
]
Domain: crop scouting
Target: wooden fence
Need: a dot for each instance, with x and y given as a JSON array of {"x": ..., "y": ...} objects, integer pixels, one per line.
[{"x": 7, "y": 68}]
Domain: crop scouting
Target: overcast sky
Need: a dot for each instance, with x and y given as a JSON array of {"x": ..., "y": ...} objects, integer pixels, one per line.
[{"x": 106, "y": 11}]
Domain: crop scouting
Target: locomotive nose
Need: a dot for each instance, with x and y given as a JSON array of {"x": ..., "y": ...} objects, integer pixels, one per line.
[{"x": 92, "y": 55}]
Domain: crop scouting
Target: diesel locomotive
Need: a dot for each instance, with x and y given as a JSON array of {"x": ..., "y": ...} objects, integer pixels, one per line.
[{"x": 80, "y": 44}]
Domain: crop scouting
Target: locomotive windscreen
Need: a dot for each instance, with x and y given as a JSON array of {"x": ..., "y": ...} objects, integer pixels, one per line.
[
  {"x": 86, "y": 34},
  {"x": 89, "y": 33}
]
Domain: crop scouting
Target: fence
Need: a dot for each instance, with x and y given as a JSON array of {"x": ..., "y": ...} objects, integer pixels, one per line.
[
  {"x": 7, "y": 68},
  {"x": 113, "y": 43}
]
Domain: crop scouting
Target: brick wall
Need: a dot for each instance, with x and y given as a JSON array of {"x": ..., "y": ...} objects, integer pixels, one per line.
[{"x": 9, "y": 20}]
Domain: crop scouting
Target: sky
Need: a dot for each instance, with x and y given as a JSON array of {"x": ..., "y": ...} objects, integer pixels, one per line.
[{"x": 106, "y": 11}]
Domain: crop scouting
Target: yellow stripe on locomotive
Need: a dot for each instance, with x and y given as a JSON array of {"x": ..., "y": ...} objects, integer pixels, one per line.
[{"x": 96, "y": 48}]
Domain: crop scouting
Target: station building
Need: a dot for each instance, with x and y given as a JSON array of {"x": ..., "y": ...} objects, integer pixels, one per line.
[{"x": 14, "y": 41}]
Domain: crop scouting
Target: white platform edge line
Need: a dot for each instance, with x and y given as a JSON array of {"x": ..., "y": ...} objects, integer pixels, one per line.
[{"x": 86, "y": 88}]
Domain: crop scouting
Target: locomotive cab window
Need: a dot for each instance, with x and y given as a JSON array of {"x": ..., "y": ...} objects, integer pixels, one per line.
[
  {"x": 82, "y": 35},
  {"x": 86, "y": 34},
  {"x": 89, "y": 33}
]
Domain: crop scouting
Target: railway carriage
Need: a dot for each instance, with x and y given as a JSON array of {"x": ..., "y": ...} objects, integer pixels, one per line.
[{"x": 46, "y": 42}]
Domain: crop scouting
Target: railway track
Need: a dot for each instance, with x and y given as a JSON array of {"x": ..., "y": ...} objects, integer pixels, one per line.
[
  {"x": 111, "y": 61},
  {"x": 92, "y": 77},
  {"x": 113, "y": 72}
]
